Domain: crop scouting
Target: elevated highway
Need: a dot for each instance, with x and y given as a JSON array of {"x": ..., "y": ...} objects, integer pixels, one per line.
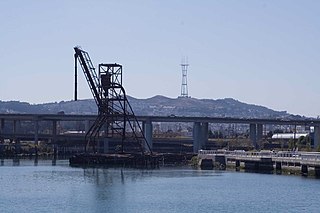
[
  {"x": 200, "y": 125},
  {"x": 227, "y": 120}
]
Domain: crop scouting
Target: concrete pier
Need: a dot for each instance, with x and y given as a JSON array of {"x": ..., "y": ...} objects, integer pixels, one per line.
[{"x": 268, "y": 161}]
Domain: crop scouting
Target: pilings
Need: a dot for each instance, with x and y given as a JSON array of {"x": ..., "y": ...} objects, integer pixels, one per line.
[{"x": 200, "y": 135}]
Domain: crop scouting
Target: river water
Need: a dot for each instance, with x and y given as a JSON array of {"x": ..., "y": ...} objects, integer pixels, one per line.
[{"x": 61, "y": 188}]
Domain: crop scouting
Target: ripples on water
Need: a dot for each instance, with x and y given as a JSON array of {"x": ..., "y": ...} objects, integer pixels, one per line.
[{"x": 60, "y": 188}]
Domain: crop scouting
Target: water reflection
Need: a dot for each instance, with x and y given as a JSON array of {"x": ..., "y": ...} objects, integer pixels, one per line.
[
  {"x": 113, "y": 176},
  {"x": 36, "y": 161},
  {"x": 103, "y": 176},
  {"x": 38, "y": 188},
  {"x": 15, "y": 162}
]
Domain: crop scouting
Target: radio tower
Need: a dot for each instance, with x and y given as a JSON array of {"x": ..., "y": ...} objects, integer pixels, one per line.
[{"x": 184, "y": 85}]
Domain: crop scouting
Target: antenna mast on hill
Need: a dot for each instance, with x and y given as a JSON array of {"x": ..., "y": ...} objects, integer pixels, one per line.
[{"x": 184, "y": 85}]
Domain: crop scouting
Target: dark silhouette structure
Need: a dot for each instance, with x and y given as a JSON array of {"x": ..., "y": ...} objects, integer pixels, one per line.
[{"x": 115, "y": 118}]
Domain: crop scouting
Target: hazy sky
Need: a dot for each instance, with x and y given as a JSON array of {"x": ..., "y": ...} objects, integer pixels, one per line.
[{"x": 260, "y": 52}]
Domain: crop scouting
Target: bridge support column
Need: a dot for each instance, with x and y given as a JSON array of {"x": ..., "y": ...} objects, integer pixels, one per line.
[
  {"x": 1, "y": 126},
  {"x": 36, "y": 132},
  {"x": 14, "y": 128},
  {"x": 316, "y": 137},
  {"x": 204, "y": 134},
  {"x": 200, "y": 135},
  {"x": 1, "y": 132},
  {"x": 259, "y": 135},
  {"x": 196, "y": 136},
  {"x": 253, "y": 135},
  {"x": 148, "y": 130},
  {"x": 54, "y": 140},
  {"x": 54, "y": 132}
]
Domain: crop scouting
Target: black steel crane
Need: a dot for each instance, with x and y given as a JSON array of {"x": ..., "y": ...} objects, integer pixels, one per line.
[{"x": 115, "y": 114}]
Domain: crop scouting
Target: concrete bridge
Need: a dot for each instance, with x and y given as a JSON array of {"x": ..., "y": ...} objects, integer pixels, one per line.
[
  {"x": 263, "y": 160},
  {"x": 200, "y": 126}
]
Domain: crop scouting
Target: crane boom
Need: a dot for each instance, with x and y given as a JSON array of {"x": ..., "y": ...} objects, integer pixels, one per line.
[{"x": 90, "y": 73}]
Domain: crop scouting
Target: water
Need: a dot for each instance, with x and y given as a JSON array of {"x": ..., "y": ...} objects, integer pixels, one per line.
[{"x": 60, "y": 188}]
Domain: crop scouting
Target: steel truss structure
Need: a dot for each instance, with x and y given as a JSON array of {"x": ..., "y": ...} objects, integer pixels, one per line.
[{"x": 115, "y": 118}]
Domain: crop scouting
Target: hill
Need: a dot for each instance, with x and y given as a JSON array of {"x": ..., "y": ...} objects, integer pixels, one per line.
[{"x": 157, "y": 105}]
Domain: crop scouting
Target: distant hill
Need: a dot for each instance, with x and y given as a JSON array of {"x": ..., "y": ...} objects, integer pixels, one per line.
[{"x": 157, "y": 105}]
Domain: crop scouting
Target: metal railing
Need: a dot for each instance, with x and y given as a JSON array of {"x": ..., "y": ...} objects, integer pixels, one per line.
[{"x": 312, "y": 158}]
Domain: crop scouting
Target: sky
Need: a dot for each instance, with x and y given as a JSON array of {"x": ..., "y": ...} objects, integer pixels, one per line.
[{"x": 263, "y": 52}]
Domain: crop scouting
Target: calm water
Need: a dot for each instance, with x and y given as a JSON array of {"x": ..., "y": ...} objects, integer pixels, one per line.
[{"x": 60, "y": 188}]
